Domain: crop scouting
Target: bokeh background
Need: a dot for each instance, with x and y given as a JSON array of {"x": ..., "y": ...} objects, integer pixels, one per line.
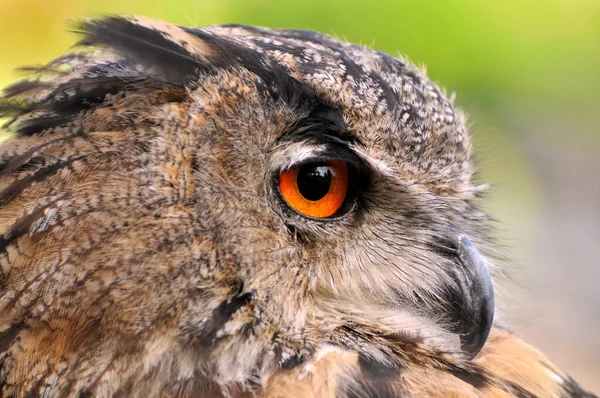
[{"x": 526, "y": 71}]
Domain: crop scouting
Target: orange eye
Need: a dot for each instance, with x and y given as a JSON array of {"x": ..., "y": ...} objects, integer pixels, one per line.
[{"x": 315, "y": 190}]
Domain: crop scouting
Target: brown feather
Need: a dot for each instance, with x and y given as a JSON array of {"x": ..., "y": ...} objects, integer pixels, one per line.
[{"x": 145, "y": 248}]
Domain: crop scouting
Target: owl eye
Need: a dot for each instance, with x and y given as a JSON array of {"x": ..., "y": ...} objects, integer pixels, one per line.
[{"x": 317, "y": 189}]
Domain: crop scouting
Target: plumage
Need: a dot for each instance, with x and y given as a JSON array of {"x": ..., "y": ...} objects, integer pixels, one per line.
[{"x": 146, "y": 249}]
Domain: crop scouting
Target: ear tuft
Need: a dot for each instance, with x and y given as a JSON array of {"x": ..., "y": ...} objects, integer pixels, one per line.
[{"x": 163, "y": 50}]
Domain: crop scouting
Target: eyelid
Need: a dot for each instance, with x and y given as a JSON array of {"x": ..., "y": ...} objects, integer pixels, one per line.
[
  {"x": 295, "y": 153},
  {"x": 292, "y": 153},
  {"x": 331, "y": 155}
]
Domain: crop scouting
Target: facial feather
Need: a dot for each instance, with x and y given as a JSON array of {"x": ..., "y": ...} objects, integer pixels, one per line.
[{"x": 145, "y": 249}]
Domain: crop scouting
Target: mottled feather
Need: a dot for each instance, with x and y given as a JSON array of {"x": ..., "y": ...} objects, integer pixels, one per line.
[{"x": 146, "y": 251}]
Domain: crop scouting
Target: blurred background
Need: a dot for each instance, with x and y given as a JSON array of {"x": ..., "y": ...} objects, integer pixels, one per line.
[{"x": 527, "y": 72}]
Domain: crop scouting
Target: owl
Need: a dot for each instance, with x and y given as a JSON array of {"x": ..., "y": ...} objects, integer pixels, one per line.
[{"x": 235, "y": 211}]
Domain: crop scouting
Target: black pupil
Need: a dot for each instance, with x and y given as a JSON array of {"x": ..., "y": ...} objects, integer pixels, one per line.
[{"x": 314, "y": 181}]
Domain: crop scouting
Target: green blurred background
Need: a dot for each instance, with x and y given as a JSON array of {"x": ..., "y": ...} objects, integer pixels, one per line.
[{"x": 528, "y": 74}]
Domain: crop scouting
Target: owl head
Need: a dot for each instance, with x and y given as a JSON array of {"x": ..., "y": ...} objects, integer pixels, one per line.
[{"x": 225, "y": 201}]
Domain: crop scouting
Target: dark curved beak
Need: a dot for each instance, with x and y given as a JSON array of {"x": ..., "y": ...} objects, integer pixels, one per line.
[{"x": 474, "y": 304}]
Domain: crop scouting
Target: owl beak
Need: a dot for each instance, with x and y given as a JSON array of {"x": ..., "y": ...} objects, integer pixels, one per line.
[{"x": 475, "y": 306}]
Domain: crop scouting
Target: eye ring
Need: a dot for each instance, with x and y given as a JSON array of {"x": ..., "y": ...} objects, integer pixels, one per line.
[{"x": 316, "y": 190}]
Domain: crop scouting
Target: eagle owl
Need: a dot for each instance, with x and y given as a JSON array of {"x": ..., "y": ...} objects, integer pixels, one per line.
[{"x": 236, "y": 211}]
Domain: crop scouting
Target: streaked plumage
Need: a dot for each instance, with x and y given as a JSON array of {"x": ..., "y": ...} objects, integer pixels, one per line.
[{"x": 145, "y": 249}]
